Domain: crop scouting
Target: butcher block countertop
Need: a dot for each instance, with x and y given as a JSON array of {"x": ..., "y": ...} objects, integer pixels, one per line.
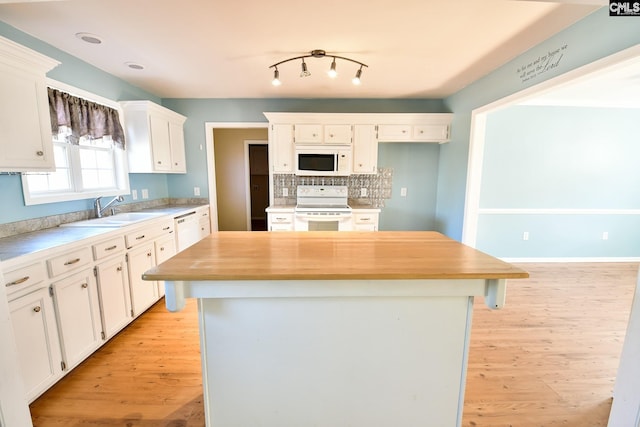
[{"x": 245, "y": 255}]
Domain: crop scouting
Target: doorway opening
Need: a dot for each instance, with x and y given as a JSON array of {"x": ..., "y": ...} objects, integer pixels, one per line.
[{"x": 258, "y": 192}]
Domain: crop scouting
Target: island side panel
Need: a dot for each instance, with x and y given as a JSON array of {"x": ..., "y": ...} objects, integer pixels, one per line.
[{"x": 362, "y": 361}]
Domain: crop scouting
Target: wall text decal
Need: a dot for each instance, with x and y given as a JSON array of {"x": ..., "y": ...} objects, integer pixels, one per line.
[{"x": 541, "y": 64}]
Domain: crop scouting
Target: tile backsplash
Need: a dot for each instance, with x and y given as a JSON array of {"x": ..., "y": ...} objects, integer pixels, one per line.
[{"x": 376, "y": 187}]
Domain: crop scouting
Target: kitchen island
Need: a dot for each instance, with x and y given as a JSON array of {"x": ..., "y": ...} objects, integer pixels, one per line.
[{"x": 333, "y": 329}]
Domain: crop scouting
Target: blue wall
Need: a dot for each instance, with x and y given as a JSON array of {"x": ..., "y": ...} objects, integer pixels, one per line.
[
  {"x": 561, "y": 158},
  {"x": 596, "y": 36},
  {"x": 415, "y": 167}
]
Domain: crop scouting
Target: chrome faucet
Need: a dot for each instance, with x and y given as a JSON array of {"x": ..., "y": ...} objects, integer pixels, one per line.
[{"x": 99, "y": 209}]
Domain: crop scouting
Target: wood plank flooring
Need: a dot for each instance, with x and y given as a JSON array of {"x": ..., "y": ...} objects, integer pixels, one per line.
[{"x": 549, "y": 358}]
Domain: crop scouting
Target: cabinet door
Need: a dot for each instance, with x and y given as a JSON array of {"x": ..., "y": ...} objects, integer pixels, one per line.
[
  {"x": 79, "y": 324},
  {"x": 165, "y": 248},
  {"x": 400, "y": 133},
  {"x": 281, "y": 142},
  {"x": 143, "y": 293},
  {"x": 365, "y": 149},
  {"x": 113, "y": 290},
  {"x": 204, "y": 221},
  {"x": 435, "y": 133},
  {"x": 37, "y": 343},
  {"x": 308, "y": 134},
  {"x": 25, "y": 128},
  {"x": 161, "y": 143},
  {"x": 337, "y": 134},
  {"x": 176, "y": 135}
]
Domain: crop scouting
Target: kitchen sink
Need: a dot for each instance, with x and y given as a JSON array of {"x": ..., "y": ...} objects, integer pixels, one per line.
[{"x": 114, "y": 221}]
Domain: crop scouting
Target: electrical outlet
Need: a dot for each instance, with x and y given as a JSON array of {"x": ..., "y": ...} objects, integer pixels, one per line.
[
  {"x": 134, "y": 194},
  {"x": 363, "y": 192},
  {"x": 145, "y": 193},
  {"x": 285, "y": 192},
  {"x": 605, "y": 235},
  {"x": 403, "y": 192},
  {"x": 525, "y": 235},
  {"x": 196, "y": 191}
]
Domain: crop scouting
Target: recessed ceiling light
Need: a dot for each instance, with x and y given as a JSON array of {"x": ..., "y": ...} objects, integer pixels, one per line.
[
  {"x": 134, "y": 65},
  {"x": 89, "y": 38}
]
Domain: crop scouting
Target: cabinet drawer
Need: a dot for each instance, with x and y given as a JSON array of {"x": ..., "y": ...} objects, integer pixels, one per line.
[
  {"x": 69, "y": 261},
  {"x": 110, "y": 247},
  {"x": 394, "y": 132},
  {"x": 281, "y": 218},
  {"x": 139, "y": 236},
  {"x": 165, "y": 227},
  {"x": 364, "y": 218},
  {"x": 24, "y": 277}
]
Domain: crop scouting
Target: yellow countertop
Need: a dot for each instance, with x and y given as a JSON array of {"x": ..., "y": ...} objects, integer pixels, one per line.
[{"x": 244, "y": 255}]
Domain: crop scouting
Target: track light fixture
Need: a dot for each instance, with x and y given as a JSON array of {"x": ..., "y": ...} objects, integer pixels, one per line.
[{"x": 318, "y": 53}]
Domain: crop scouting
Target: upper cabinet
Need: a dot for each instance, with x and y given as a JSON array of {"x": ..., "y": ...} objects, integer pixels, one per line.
[
  {"x": 155, "y": 138},
  {"x": 281, "y": 148},
  {"x": 25, "y": 125},
  {"x": 365, "y": 149},
  {"x": 322, "y": 134}
]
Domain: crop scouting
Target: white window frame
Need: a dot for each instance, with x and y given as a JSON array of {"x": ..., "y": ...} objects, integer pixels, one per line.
[{"x": 77, "y": 193}]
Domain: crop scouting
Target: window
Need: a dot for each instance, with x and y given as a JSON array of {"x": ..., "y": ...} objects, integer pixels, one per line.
[{"x": 92, "y": 168}]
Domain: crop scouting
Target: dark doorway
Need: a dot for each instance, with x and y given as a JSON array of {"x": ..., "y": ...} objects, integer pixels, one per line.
[{"x": 259, "y": 185}]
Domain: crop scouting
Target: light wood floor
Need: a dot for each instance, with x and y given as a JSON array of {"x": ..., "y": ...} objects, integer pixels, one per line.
[{"x": 549, "y": 358}]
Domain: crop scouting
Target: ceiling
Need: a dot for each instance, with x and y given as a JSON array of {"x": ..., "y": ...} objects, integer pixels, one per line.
[{"x": 223, "y": 49}]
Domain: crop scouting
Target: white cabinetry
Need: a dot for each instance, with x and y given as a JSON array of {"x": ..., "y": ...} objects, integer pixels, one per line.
[
  {"x": 113, "y": 285},
  {"x": 365, "y": 219},
  {"x": 431, "y": 132},
  {"x": 365, "y": 149},
  {"x": 78, "y": 315},
  {"x": 204, "y": 221},
  {"x": 143, "y": 293},
  {"x": 155, "y": 138},
  {"x": 308, "y": 134},
  {"x": 165, "y": 248},
  {"x": 65, "y": 301},
  {"x": 280, "y": 219},
  {"x": 322, "y": 134},
  {"x": 115, "y": 297},
  {"x": 281, "y": 146},
  {"x": 25, "y": 126},
  {"x": 34, "y": 328}
]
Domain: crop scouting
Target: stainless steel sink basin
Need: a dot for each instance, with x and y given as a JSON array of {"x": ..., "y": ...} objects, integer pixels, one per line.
[{"x": 114, "y": 221}]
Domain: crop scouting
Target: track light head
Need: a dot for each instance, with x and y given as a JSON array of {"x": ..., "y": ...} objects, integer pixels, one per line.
[
  {"x": 356, "y": 79},
  {"x": 276, "y": 78},
  {"x": 332, "y": 71},
  {"x": 305, "y": 72}
]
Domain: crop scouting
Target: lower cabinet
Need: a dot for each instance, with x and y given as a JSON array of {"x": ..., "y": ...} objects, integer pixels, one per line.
[
  {"x": 64, "y": 304},
  {"x": 143, "y": 293},
  {"x": 78, "y": 314},
  {"x": 366, "y": 220},
  {"x": 280, "y": 220},
  {"x": 37, "y": 342},
  {"x": 165, "y": 248},
  {"x": 115, "y": 299}
]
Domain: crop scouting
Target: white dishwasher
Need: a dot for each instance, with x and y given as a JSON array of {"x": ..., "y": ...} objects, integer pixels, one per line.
[{"x": 187, "y": 230}]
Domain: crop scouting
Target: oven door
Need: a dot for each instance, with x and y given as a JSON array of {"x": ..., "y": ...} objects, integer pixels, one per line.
[{"x": 320, "y": 222}]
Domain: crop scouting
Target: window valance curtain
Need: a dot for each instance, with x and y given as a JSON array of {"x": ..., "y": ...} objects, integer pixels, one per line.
[{"x": 84, "y": 118}]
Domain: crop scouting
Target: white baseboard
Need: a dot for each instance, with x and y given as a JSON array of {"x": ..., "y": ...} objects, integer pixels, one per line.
[{"x": 574, "y": 259}]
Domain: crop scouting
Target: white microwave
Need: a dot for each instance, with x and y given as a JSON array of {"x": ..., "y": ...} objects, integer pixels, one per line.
[{"x": 323, "y": 161}]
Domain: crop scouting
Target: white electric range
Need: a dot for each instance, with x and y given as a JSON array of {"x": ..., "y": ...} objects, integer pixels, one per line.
[{"x": 322, "y": 208}]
